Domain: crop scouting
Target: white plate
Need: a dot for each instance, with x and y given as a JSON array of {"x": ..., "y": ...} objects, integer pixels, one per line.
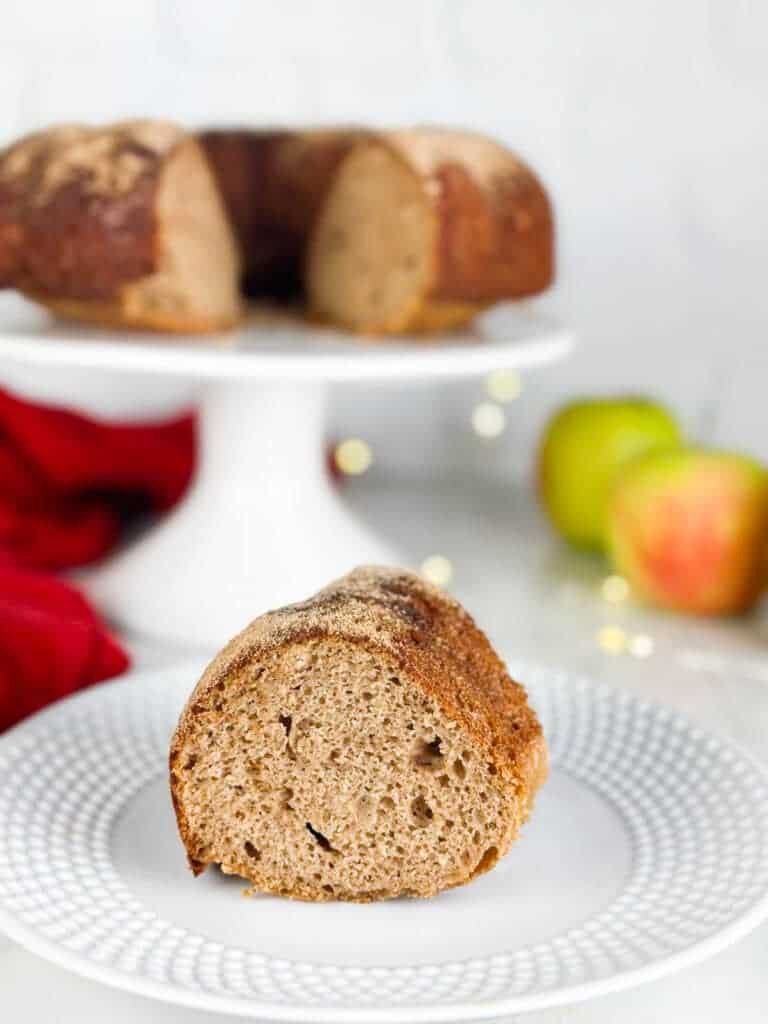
[{"x": 647, "y": 851}]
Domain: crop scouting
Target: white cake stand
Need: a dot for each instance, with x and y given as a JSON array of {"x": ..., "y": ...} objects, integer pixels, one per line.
[{"x": 262, "y": 525}]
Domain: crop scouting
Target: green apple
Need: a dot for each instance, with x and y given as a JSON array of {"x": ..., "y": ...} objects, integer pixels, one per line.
[
  {"x": 584, "y": 444},
  {"x": 689, "y": 529}
]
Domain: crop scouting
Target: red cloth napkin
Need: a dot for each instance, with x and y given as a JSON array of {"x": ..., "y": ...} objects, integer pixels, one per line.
[
  {"x": 67, "y": 483},
  {"x": 51, "y": 644},
  {"x": 68, "y": 487}
]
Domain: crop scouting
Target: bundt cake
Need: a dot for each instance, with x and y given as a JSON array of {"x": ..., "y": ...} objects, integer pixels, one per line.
[
  {"x": 363, "y": 745},
  {"x": 378, "y": 232}
]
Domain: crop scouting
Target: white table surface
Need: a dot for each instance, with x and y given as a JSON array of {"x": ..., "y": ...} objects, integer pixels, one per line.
[{"x": 537, "y": 600}]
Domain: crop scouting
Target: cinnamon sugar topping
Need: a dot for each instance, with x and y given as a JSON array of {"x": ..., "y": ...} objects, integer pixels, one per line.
[{"x": 106, "y": 161}]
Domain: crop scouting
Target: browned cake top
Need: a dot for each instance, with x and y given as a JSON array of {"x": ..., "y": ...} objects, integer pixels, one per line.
[
  {"x": 104, "y": 161},
  {"x": 76, "y": 216},
  {"x": 428, "y": 149},
  {"x": 425, "y": 632}
]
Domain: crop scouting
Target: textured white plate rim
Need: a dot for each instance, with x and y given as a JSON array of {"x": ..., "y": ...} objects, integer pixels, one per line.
[{"x": 476, "y": 1010}]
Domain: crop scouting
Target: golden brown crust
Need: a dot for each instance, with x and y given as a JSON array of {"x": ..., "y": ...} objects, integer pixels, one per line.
[
  {"x": 427, "y": 634},
  {"x": 422, "y": 318},
  {"x": 441, "y": 315},
  {"x": 117, "y": 313}
]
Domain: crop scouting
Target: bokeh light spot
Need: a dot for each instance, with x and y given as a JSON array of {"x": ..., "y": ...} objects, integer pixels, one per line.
[
  {"x": 437, "y": 569},
  {"x": 353, "y": 456},
  {"x": 641, "y": 645},
  {"x": 614, "y": 589},
  {"x": 503, "y": 385},
  {"x": 488, "y": 420},
  {"x": 612, "y": 640}
]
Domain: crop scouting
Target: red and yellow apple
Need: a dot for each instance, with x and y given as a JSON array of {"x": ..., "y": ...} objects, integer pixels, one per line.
[
  {"x": 689, "y": 529},
  {"x": 583, "y": 446}
]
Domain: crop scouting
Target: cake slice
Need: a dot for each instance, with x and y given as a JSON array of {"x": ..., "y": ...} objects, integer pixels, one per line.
[
  {"x": 422, "y": 228},
  {"x": 122, "y": 225},
  {"x": 365, "y": 744}
]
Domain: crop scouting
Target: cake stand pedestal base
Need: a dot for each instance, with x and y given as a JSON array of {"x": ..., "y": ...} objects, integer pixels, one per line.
[{"x": 261, "y": 526}]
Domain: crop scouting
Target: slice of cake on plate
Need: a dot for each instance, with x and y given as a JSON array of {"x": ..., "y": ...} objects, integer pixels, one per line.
[{"x": 365, "y": 744}]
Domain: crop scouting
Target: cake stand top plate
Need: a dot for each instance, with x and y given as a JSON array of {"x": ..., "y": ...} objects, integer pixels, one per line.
[{"x": 278, "y": 345}]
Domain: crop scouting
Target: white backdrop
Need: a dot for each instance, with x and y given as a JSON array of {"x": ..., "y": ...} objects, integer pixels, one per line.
[{"x": 647, "y": 120}]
